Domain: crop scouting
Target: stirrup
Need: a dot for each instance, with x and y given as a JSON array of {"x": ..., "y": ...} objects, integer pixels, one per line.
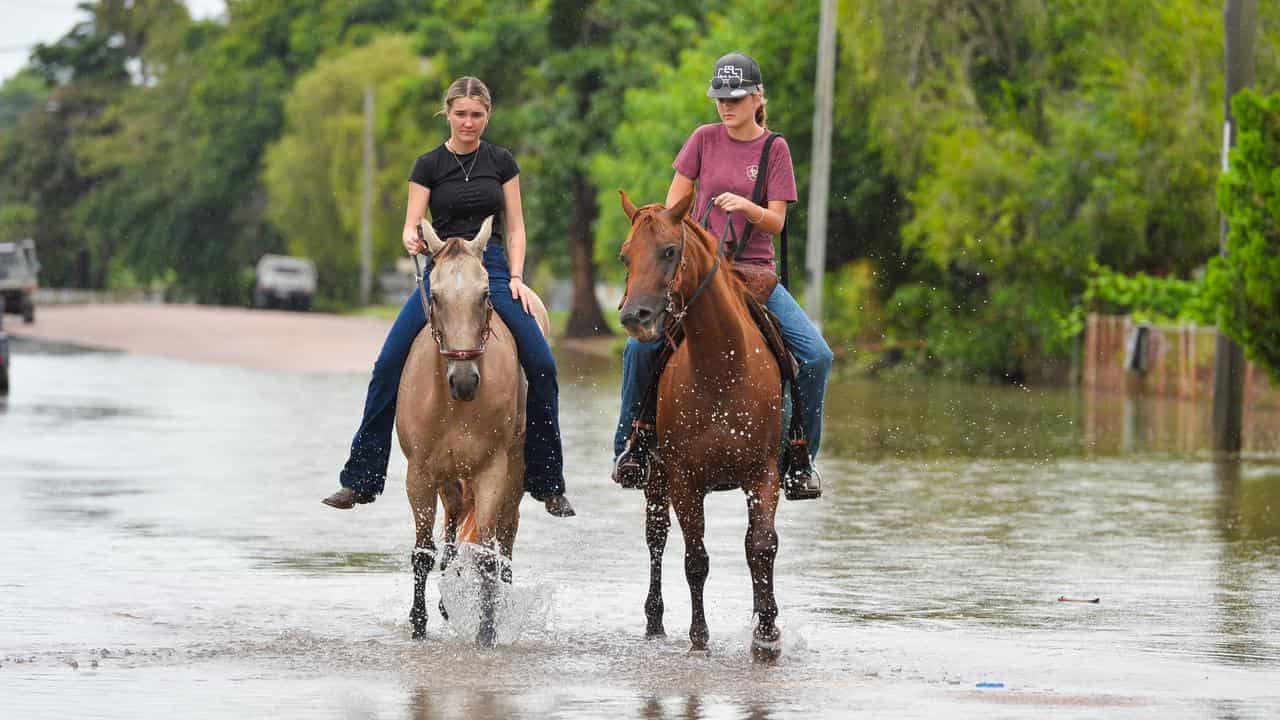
[
  {"x": 634, "y": 467},
  {"x": 800, "y": 479}
]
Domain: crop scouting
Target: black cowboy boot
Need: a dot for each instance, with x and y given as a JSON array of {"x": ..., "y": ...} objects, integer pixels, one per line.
[
  {"x": 800, "y": 479},
  {"x": 634, "y": 466}
]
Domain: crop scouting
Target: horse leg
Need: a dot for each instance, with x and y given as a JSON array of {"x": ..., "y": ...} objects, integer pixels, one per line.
[
  {"x": 762, "y": 548},
  {"x": 688, "y": 503},
  {"x": 422, "y": 499},
  {"x": 657, "y": 525},
  {"x": 451, "y": 498},
  {"x": 489, "y": 506}
]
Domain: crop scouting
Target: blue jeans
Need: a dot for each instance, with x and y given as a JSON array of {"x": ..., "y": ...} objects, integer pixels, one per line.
[
  {"x": 366, "y": 468},
  {"x": 802, "y": 338}
]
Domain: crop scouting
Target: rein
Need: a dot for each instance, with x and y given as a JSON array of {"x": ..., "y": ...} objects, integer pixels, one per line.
[{"x": 429, "y": 310}]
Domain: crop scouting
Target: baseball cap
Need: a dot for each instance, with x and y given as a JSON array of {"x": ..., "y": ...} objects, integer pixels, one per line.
[{"x": 737, "y": 75}]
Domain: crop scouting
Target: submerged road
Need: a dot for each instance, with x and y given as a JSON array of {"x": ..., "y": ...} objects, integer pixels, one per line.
[{"x": 258, "y": 339}]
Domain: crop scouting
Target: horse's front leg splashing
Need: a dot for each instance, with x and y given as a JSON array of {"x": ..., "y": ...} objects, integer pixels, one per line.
[
  {"x": 762, "y": 548},
  {"x": 422, "y": 499},
  {"x": 688, "y": 502},
  {"x": 657, "y": 525},
  {"x": 487, "y": 565}
]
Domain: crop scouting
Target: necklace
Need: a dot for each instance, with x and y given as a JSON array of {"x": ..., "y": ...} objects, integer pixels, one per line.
[{"x": 466, "y": 172}]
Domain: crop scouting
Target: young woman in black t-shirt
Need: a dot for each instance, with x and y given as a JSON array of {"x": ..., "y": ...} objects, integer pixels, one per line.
[{"x": 462, "y": 182}]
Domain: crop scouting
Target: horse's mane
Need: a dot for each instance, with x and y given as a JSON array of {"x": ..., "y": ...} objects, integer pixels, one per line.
[
  {"x": 706, "y": 240},
  {"x": 453, "y": 247}
]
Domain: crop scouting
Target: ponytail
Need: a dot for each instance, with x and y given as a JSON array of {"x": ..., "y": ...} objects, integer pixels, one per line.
[{"x": 761, "y": 115}]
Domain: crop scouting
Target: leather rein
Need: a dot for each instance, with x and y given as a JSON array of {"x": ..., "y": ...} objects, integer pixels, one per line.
[{"x": 428, "y": 309}]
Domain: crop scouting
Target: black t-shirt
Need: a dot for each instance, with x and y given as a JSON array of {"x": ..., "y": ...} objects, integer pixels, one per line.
[{"x": 458, "y": 205}]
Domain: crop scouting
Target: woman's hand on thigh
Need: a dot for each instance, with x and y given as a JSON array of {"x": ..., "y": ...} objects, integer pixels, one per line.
[{"x": 520, "y": 293}]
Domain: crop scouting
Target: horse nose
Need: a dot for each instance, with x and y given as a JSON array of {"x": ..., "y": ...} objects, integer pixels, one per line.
[
  {"x": 636, "y": 316},
  {"x": 463, "y": 382}
]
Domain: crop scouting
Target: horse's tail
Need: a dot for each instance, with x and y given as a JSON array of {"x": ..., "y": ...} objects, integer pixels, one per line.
[{"x": 467, "y": 532}]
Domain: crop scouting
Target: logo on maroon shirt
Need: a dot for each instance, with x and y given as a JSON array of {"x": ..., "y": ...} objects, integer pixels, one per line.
[{"x": 752, "y": 172}]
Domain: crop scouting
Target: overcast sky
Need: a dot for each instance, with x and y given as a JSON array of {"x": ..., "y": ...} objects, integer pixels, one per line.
[{"x": 27, "y": 22}]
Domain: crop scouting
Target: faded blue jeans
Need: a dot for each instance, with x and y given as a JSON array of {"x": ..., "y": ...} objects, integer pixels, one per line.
[
  {"x": 802, "y": 338},
  {"x": 366, "y": 468}
]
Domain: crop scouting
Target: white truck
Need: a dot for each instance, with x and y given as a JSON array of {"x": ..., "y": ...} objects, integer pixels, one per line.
[
  {"x": 18, "y": 278},
  {"x": 284, "y": 281}
]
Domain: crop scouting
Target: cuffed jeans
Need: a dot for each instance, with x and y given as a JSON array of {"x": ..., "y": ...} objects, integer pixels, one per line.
[
  {"x": 366, "y": 468},
  {"x": 803, "y": 339}
]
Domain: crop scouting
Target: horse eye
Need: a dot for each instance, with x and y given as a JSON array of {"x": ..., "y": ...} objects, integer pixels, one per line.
[{"x": 669, "y": 252}]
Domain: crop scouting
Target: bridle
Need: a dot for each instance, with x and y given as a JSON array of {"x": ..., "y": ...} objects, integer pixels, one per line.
[
  {"x": 428, "y": 308},
  {"x": 678, "y": 316}
]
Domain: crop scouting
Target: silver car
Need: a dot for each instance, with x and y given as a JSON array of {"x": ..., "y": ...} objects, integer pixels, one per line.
[{"x": 284, "y": 281}]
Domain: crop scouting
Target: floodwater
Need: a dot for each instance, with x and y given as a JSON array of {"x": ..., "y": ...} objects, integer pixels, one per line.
[{"x": 165, "y": 554}]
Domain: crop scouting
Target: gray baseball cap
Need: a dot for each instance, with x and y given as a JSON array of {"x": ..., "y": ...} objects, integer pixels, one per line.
[{"x": 737, "y": 75}]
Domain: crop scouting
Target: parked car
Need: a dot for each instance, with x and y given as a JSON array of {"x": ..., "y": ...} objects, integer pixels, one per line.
[
  {"x": 18, "y": 278},
  {"x": 284, "y": 281},
  {"x": 4, "y": 354}
]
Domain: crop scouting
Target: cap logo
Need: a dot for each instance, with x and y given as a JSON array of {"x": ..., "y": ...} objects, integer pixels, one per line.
[{"x": 726, "y": 72}]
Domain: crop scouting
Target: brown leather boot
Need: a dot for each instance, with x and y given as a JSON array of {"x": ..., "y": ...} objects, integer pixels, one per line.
[
  {"x": 346, "y": 498},
  {"x": 558, "y": 506}
]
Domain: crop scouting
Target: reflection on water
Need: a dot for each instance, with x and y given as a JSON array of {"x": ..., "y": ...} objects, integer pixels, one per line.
[{"x": 165, "y": 547}]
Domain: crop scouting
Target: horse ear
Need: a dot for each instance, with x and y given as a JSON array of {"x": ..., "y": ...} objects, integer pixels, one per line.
[
  {"x": 676, "y": 213},
  {"x": 628, "y": 207},
  {"x": 434, "y": 243},
  {"x": 476, "y": 244}
]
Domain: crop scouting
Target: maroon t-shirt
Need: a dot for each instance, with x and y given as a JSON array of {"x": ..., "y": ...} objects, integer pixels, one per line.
[{"x": 721, "y": 164}]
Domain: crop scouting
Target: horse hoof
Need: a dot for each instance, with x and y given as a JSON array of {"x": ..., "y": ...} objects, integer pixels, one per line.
[
  {"x": 486, "y": 638},
  {"x": 657, "y": 634},
  {"x": 766, "y": 647},
  {"x": 699, "y": 652},
  {"x": 419, "y": 634}
]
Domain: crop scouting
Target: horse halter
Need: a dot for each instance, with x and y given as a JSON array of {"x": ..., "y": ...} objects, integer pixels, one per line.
[{"x": 428, "y": 309}]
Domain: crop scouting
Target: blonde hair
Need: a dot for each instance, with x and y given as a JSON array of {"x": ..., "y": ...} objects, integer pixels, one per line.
[
  {"x": 761, "y": 115},
  {"x": 467, "y": 87}
]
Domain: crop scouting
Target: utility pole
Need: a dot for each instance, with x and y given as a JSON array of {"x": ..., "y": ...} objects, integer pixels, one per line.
[
  {"x": 820, "y": 172},
  {"x": 366, "y": 204},
  {"x": 1240, "y": 20}
]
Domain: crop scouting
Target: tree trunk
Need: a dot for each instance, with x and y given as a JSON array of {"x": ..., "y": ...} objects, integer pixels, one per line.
[{"x": 585, "y": 317}]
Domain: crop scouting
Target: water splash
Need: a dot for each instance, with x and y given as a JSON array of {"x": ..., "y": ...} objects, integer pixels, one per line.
[{"x": 520, "y": 608}]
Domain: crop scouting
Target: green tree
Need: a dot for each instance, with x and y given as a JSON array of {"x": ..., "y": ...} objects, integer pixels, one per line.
[
  {"x": 18, "y": 95},
  {"x": 313, "y": 174},
  {"x": 1245, "y": 284}
]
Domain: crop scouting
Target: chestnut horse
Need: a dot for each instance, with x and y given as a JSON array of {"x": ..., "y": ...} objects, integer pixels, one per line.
[
  {"x": 719, "y": 407},
  {"x": 460, "y": 421}
]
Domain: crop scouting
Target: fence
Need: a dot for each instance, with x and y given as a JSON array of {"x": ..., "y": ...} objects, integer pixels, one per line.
[{"x": 1161, "y": 360}]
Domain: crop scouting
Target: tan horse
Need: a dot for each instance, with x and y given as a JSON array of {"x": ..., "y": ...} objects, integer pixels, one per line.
[{"x": 460, "y": 418}]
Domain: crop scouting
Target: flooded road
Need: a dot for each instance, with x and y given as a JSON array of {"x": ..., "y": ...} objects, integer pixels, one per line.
[{"x": 166, "y": 554}]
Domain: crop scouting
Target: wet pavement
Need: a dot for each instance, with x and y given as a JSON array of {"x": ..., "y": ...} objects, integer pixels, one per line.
[{"x": 165, "y": 553}]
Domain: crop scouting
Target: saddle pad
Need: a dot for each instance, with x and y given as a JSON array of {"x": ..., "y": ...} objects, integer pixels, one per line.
[
  {"x": 771, "y": 328},
  {"x": 760, "y": 280}
]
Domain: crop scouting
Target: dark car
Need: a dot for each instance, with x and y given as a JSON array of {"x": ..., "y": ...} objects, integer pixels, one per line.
[{"x": 4, "y": 354}]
